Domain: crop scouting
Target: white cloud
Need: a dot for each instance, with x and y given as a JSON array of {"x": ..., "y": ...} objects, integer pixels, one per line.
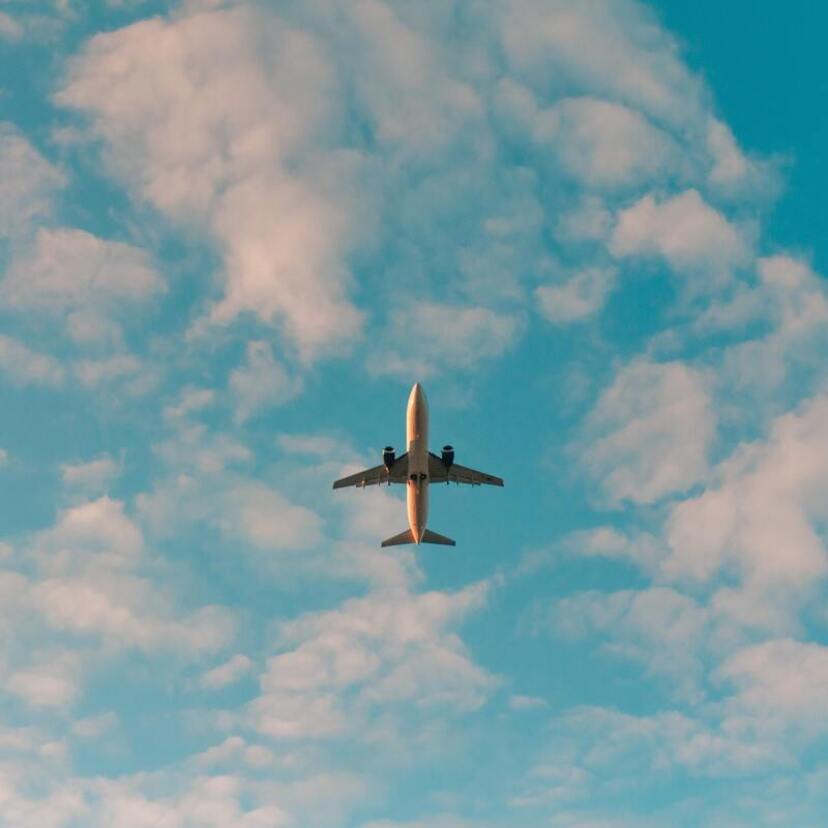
[
  {"x": 589, "y": 220},
  {"x": 790, "y": 298},
  {"x": 94, "y": 727},
  {"x": 254, "y": 167},
  {"x": 227, "y": 673},
  {"x": 27, "y": 367},
  {"x": 130, "y": 612},
  {"x": 92, "y": 476},
  {"x": 453, "y": 336},
  {"x": 95, "y": 372},
  {"x": 100, "y": 528},
  {"x": 732, "y": 173},
  {"x": 53, "y": 683},
  {"x": 389, "y": 648},
  {"x": 29, "y": 183},
  {"x": 604, "y": 144},
  {"x": 69, "y": 271},
  {"x": 609, "y": 49},
  {"x": 261, "y": 382},
  {"x": 764, "y": 516},
  {"x": 319, "y": 445},
  {"x": 190, "y": 400},
  {"x": 519, "y": 702},
  {"x": 581, "y": 296},
  {"x": 650, "y": 431},
  {"x": 640, "y": 548},
  {"x": 691, "y": 235},
  {"x": 657, "y": 627},
  {"x": 781, "y": 683}
]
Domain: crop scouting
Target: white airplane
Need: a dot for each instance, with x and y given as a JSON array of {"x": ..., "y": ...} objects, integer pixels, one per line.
[{"x": 417, "y": 468}]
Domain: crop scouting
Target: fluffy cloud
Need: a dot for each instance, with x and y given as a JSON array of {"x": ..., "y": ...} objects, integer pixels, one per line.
[
  {"x": 763, "y": 517},
  {"x": 447, "y": 336},
  {"x": 578, "y": 298},
  {"x": 29, "y": 183},
  {"x": 604, "y": 144},
  {"x": 71, "y": 272},
  {"x": 92, "y": 476},
  {"x": 386, "y": 649},
  {"x": 27, "y": 367},
  {"x": 688, "y": 233},
  {"x": 251, "y": 169},
  {"x": 227, "y": 673},
  {"x": 650, "y": 431},
  {"x": 781, "y": 683},
  {"x": 262, "y": 381}
]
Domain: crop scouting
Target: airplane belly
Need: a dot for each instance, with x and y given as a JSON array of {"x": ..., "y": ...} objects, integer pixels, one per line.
[
  {"x": 417, "y": 432},
  {"x": 417, "y": 502}
]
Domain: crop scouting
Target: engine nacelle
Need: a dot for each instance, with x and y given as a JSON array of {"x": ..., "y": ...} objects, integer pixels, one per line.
[
  {"x": 447, "y": 456},
  {"x": 388, "y": 457}
]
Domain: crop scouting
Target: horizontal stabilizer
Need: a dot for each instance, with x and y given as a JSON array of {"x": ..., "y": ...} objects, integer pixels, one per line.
[
  {"x": 433, "y": 537},
  {"x": 400, "y": 540}
]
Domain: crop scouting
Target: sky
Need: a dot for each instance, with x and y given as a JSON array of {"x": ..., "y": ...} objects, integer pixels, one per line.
[{"x": 234, "y": 234}]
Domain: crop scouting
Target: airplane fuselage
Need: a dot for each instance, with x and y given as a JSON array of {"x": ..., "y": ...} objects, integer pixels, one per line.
[
  {"x": 416, "y": 435},
  {"x": 417, "y": 467}
]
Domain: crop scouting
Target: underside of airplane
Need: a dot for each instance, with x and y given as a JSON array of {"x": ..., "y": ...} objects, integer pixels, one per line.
[{"x": 417, "y": 468}]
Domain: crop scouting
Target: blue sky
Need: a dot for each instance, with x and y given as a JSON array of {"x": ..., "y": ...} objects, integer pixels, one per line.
[{"x": 232, "y": 236}]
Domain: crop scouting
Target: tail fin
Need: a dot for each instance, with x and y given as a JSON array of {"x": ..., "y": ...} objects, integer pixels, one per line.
[
  {"x": 408, "y": 537},
  {"x": 433, "y": 537},
  {"x": 399, "y": 540}
]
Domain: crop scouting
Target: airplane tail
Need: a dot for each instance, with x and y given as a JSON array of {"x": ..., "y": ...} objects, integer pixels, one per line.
[
  {"x": 433, "y": 537},
  {"x": 408, "y": 537},
  {"x": 400, "y": 540}
]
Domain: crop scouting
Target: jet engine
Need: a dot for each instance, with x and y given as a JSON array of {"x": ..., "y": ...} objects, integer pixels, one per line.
[
  {"x": 388, "y": 457},
  {"x": 447, "y": 456}
]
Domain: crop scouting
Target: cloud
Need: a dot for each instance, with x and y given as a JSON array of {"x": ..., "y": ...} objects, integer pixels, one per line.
[
  {"x": 52, "y": 684},
  {"x": 689, "y": 234},
  {"x": 227, "y": 673},
  {"x": 386, "y": 649},
  {"x": 93, "y": 583},
  {"x": 254, "y": 169},
  {"x": 27, "y": 367},
  {"x": 90, "y": 477},
  {"x": 781, "y": 684},
  {"x": 29, "y": 183},
  {"x": 763, "y": 516},
  {"x": 657, "y": 627},
  {"x": 240, "y": 509},
  {"x": 581, "y": 296},
  {"x": 262, "y": 381},
  {"x": 452, "y": 336},
  {"x": 644, "y": 550},
  {"x": 604, "y": 144},
  {"x": 69, "y": 271},
  {"x": 612, "y": 50},
  {"x": 527, "y": 703},
  {"x": 650, "y": 431},
  {"x": 790, "y": 301}
]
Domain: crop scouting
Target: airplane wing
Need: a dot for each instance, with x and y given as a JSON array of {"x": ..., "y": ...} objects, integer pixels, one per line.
[
  {"x": 438, "y": 472},
  {"x": 377, "y": 476}
]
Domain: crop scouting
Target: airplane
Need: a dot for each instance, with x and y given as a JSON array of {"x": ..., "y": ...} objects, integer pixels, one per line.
[{"x": 417, "y": 468}]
